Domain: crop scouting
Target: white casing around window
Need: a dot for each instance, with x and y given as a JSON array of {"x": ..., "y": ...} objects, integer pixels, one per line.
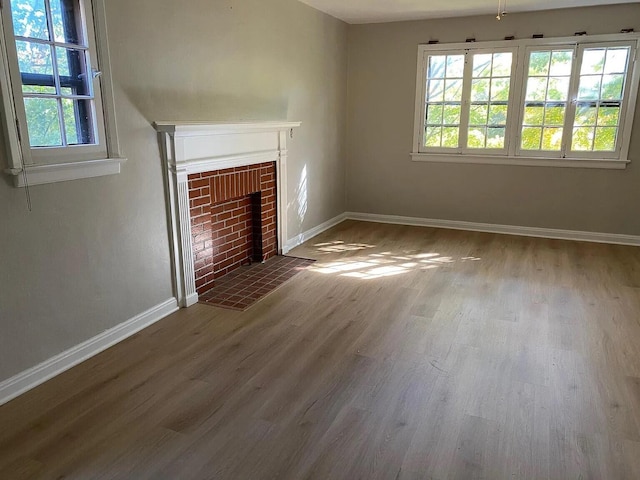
[
  {"x": 48, "y": 165},
  {"x": 512, "y": 154}
]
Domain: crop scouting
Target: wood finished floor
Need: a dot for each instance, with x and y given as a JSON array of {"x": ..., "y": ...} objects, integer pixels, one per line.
[{"x": 403, "y": 353}]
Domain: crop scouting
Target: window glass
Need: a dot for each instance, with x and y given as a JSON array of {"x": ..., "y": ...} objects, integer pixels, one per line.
[
  {"x": 546, "y": 99},
  {"x": 443, "y": 100},
  {"x": 599, "y": 100},
  {"x": 490, "y": 84},
  {"x": 56, "y": 79}
]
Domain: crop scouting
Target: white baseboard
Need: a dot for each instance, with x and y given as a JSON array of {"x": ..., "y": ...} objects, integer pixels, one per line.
[
  {"x": 504, "y": 229},
  {"x": 25, "y": 381},
  {"x": 304, "y": 236}
]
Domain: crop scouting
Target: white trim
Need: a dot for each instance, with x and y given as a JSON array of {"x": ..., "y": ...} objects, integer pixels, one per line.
[
  {"x": 312, "y": 232},
  {"x": 522, "y": 161},
  {"x": 607, "y": 37},
  {"x": 31, "y": 378},
  {"x": 62, "y": 172},
  {"x": 106, "y": 80},
  {"x": 595, "y": 237},
  {"x": 229, "y": 161}
]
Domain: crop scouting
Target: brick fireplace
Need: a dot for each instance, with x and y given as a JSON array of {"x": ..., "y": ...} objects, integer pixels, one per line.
[
  {"x": 233, "y": 220},
  {"x": 226, "y": 190}
]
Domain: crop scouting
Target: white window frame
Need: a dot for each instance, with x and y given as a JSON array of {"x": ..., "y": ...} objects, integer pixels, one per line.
[
  {"x": 55, "y": 164},
  {"x": 512, "y": 154},
  {"x": 569, "y": 110}
]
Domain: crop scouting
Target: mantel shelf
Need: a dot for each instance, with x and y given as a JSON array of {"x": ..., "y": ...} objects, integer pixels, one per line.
[{"x": 188, "y": 129}]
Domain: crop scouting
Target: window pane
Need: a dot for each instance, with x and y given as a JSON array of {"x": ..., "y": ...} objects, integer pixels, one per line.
[
  {"x": 70, "y": 124},
  {"x": 608, "y": 116},
  {"x": 589, "y": 87},
  {"x": 616, "y": 60},
  {"x": 450, "y": 137},
  {"x": 78, "y": 115},
  {"x": 35, "y": 64},
  {"x": 34, "y": 58},
  {"x": 539, "y": 63},
  {"x": 592, "y": 61},
  {"x": 531, "y": 137},
  {"x": 435, "y": 92},
  {"x": 480, "y": 90},
  {"x": 534, "y": 115},
  {"x": 455, "y": 66},
  {"x": 51, "y": 72},
  {"x": 500, "y": 89},
  {"x": 451, "y": 114},
  {"x": 437, "y": 66},
  {"x": 478, "y": 114},
  {"x": 72, "y": 68},
  {"x": 551, "y": 138},
  {"x": 432, "y": 136},
  {"x": 558, "y": 89},
  {"x": 546, "y": 99},
  {"x": 495, "y": 137},
  {"x": 29, "y": 19},
  {"x": 498, "y": 115},
  {"x": 605, "y": 139},
  {"x": 612, "y": 87},
  {"x": 453, "y": 90},
  {"x": 536, "y": 89},
  {"x": 582, "y": 138},
  {"x": 585, "y": 115},
  {"x": 434, "y": 114},
  {"x": 554, "y": 115},
  {"x": 502, "y": 65},
  {"x": 600, "y": 93},
  {"x": 43, "y": 122},
  {"x": 443, "y": 100},
  {"x": 561, "y": 63},
  {"x": 476, "y": 137},
  {"x": 65, "y": 26},
  {"x": 482, "y": 65},
  {"x": 488, "y": 112}
]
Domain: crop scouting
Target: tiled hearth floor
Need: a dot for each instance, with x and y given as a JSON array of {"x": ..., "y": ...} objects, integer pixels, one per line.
[{"x": 245, "y": 286}]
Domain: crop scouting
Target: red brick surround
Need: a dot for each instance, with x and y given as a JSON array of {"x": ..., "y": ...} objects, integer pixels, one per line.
[{"x": 233, "y": 219}]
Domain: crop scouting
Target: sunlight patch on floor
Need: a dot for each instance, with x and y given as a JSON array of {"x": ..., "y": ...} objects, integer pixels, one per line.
[
  {"x": 378, "y": 265},
  {"x": 338, "y": 246}
]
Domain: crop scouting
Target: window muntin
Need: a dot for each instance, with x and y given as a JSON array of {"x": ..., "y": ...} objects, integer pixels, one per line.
[
  {"x": 552, "y": 109},
  {"x": 57, "y": 97}
]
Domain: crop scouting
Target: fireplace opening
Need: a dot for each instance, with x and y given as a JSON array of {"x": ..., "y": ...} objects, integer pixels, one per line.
[{"x": 233, "y": 220}]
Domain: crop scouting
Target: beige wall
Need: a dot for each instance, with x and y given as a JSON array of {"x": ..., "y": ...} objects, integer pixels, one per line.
[
  {"x": 382, "y": 179},
  {"x": 94, "y": 253}
]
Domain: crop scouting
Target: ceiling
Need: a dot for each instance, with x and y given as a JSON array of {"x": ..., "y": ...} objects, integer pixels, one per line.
[{"x": 374, "y": 11}]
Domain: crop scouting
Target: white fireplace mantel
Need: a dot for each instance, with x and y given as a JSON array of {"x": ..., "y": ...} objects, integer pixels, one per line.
[{"x": 196, "y": 147}]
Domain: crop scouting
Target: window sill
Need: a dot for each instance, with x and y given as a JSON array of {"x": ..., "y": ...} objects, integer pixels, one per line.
[
  {"x": 522, "y": 161},
  {"x": 63, "y": 172}
]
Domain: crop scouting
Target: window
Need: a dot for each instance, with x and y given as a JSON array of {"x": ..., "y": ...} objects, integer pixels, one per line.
[
  {"x": 58, "y": 90},
  {"x": 564, "y": 102}
]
